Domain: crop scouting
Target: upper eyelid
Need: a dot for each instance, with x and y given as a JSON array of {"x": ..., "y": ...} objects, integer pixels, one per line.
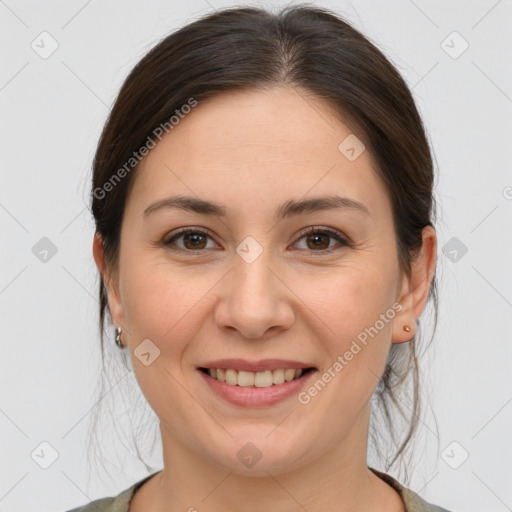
[{"x": 187, "y": 230}]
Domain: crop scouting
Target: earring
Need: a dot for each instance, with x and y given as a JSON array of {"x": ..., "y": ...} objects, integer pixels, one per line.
[
  {"x": 119, "y": 343},
  {"x": 407, "y": 328}
]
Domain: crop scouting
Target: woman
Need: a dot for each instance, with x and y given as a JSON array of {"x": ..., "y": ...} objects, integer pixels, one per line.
[{"x": 262, "y": 193}]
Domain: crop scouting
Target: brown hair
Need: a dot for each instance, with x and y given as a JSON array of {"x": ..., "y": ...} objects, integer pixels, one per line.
[{"x": 316, "y": 51}]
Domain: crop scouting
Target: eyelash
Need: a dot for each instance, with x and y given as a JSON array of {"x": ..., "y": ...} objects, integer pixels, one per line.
[{"x": 307, "y": 231}]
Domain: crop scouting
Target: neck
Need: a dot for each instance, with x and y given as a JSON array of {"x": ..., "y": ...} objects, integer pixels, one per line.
[{"x": 337, "y": 480}]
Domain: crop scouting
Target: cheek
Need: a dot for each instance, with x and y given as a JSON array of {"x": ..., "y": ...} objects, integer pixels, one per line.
[
  {"x": 164, "y": 304},
  {"x": 348, "y": 300},
  {"x": 353, "y": 309}
]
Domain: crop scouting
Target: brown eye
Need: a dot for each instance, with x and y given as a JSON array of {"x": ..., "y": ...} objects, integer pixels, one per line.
[
  {"x": 319, "y": 240},
  {"x": 193, "y": 240}
]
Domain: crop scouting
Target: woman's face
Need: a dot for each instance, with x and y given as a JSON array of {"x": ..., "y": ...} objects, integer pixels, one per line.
[{"x": 256, "y": 287}]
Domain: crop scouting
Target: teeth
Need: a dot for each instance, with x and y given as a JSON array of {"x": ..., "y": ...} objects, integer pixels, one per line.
[
  {"x": 231, "y": 377},
  {"x": 263, "y": 379},
  {"x": 278, "y": 376},
  {"x": 289, "y": 374},
  {"x": 245, "y": 378}
]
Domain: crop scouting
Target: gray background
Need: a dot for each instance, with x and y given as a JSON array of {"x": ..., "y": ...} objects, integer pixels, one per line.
[{"x": 52, "y": 112}]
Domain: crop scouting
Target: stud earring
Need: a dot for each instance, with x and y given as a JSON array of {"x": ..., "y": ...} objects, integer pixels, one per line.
[
  {"x": 119, "y": 343},
  {"x": 407, "y": 328}
]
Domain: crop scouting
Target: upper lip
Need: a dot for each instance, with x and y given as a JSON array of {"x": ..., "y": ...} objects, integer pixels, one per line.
[{"x": 255, "y": 366}]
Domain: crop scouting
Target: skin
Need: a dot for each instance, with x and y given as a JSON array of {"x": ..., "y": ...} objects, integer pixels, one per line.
[{"x": 252, "y": 151}]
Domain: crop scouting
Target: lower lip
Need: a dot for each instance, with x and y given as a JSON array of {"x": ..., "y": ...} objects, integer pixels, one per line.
[{"x": 253, "y": 396}]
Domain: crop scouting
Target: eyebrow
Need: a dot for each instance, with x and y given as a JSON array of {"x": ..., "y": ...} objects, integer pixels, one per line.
[{"x": 288, "y": 209}]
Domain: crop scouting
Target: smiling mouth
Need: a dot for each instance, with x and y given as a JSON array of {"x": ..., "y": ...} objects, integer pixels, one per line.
[{"x": 262, "y": 379}]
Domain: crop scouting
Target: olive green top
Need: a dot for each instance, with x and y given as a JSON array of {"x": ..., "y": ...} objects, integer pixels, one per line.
[{"x": 121, "y": 502}]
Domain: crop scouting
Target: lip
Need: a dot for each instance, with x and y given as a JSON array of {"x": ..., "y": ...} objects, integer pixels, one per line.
[
  {"x": 255, "y": 366},
  {"x": 250, "y": 396}
]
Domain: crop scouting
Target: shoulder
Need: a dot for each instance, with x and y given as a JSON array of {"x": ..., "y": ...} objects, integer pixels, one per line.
[
  {"x": 413, "y": 502},
  {"x": 100, "y": 505},
  {"x": 119, "y": 503}
]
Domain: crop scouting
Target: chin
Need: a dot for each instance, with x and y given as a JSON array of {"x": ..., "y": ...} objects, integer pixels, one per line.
[{"x": 261, "y": 456}]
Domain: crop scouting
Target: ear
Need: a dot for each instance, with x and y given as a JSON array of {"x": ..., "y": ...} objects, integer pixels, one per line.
[
  {"x": 111, "y": 281},
  {"x": 415, "y": 288}
]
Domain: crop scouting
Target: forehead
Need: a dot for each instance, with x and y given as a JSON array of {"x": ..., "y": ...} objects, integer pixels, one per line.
[{"x": 249, "y": 148}]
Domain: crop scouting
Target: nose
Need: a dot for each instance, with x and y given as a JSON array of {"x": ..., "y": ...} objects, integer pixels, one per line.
[{"x": 254, "y": 299}]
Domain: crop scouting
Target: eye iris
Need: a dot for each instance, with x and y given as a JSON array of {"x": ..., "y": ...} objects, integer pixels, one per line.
[
  {"x": 195, "y": 237},
  {"x": 316, "y": 237}
]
